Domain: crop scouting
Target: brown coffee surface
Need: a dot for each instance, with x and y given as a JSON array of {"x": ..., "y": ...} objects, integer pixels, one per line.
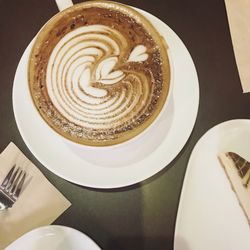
[{"x": 99, "y": 73}]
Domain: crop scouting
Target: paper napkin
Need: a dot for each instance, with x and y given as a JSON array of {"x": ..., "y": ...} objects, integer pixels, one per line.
[
  {"x": 39, "y": 203},
  {"x": 238, "y": 12}
]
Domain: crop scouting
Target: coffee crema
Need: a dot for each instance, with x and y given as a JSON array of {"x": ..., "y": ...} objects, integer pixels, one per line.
[{"x": 99, "y": 73}]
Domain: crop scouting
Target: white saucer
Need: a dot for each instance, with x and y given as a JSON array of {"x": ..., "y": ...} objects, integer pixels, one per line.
[
  {"x": 209, "y": 215},
  {"x": 127, "y": 163},
  {"x": 53, "y": 238}
]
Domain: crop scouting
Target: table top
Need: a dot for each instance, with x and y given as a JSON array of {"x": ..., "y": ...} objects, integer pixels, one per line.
[{"x": 141, "y": 216}]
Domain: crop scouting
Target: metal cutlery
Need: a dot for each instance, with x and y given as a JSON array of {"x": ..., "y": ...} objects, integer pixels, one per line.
[{"x": 11, "y": 187}]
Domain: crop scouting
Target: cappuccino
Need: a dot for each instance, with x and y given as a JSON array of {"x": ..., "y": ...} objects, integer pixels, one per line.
[{"x": 99, "y": 73}]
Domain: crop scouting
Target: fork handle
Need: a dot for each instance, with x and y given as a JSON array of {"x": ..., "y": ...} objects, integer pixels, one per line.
[{"x": 5, "y": 202}]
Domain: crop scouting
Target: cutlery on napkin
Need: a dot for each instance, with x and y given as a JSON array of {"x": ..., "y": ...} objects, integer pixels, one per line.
[{"x": 39, "y": 203}]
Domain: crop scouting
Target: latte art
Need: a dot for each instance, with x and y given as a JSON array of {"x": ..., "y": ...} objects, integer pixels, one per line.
[
  {"x": 83, "y": 79},
  {"x": 99, "y": 73}
]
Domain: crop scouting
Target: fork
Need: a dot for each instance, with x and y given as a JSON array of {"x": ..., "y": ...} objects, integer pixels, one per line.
[{"x": 11, "y": 187}]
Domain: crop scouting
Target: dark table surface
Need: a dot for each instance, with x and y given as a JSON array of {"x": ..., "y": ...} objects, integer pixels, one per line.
[{"x": 141, "y": 216}]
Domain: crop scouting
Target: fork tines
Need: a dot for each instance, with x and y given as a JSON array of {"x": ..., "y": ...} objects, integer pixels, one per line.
[{"x": 13, "y": 182}]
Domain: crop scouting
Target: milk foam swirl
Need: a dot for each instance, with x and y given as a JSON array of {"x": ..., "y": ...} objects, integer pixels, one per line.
[{"x": 88, "y": 81}]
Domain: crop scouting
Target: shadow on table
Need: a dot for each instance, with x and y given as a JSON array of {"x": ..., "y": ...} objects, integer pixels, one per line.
[
  {"x": 147, "y": 243},
  {"x": 138, "y": 243}
]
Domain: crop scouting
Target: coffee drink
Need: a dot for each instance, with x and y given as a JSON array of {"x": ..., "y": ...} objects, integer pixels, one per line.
[{"x": 99, "y": 73}]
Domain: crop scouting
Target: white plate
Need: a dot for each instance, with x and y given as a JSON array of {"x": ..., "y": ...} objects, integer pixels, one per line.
[
  {"x": 209, "y": 215},
  {"x": 53, "y": 238},
  {"x": 127, "y": 163}
]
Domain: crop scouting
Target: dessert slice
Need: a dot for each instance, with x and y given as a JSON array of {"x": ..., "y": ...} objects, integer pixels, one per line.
[{"x": 238, "y": 172}]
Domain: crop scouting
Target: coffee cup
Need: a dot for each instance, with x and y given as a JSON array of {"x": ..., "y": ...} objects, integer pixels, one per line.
[{"x": 99, "y": 73}]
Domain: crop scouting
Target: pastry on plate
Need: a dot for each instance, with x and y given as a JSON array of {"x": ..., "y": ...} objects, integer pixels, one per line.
[{"x": 238, "y": 172}]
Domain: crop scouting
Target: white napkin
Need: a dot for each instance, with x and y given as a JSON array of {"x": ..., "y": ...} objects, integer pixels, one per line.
[
  {"x": 39, "y": 203},
  {"x": 238, "y": 12}
]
